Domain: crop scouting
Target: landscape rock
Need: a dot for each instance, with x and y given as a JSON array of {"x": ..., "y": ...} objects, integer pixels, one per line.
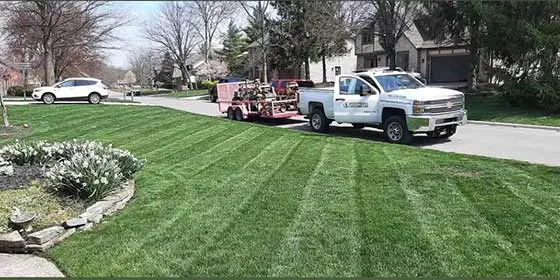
[
  {"x": 6, "y": 168},
  {"x": 75, "y": 222},
  {"x": 45, "y": 235},
  {"x": 86, "y": 227},
  {"x": 94, "y": 218},
  {"x": 11, "y": 240}
]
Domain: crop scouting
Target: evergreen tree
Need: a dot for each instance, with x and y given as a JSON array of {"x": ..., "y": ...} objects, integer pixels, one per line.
[
  {"x": 234, "y": 47},
  {"x": 165, "y": 75}
]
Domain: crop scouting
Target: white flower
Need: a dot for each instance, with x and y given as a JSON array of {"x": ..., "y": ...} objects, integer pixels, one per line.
[
  {"x": 96, "y": 182},
  {"x": 104, "y": 180}
]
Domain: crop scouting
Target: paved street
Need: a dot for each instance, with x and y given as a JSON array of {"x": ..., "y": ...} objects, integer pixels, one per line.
[{"x": 524, "y": 144}]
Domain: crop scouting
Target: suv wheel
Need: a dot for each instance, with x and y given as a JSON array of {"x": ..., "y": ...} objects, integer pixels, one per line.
[
  {"x": 94, "y": 98},
  {"x": 318, "y": 121},
  {"x": 396, "y": 130},
  {"x": 48, "y": 98}
]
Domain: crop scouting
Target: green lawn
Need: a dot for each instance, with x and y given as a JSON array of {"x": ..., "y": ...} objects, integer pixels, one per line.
[
  {"x": 491, "y": 108},
  {"x": 224, "y": 198},
  {"x": 186, "y": 93}
]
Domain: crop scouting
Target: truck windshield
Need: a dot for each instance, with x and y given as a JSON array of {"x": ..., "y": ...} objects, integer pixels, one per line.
[{"x": 397, "y": 81}]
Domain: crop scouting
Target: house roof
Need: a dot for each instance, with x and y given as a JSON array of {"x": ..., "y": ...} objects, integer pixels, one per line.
[{"x": 256, "y": 44}]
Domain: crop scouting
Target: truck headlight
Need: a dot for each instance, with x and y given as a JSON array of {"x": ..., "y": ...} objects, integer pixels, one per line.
[{"x": 418, "y": 107}]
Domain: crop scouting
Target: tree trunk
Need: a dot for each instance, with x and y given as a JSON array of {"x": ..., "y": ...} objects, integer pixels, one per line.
[
  {"x": 324, "y": 69},
  {"x": 474, "y": 64},
  {"x": 265, "y": 68},
  {"x": 392, "y": 59},
  {"x": 48, "y": 66},
  {"x": 3, "y": 107},
  {"x": 307, "y": 68}
]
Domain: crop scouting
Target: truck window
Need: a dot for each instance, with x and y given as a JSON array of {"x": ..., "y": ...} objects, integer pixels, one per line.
[
  {"x": 370, "y": 81},
  {"x": 350, "y": 86}
]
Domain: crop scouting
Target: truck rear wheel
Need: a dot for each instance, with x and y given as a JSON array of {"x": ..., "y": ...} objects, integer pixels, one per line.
[
  {"x": 396, "y": 130},
  {"x": 318, "y": 121}
]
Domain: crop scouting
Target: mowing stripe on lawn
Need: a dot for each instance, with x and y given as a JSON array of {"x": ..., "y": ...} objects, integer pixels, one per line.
[
  {"x": 455, "y": 229},
  {"x": 73, "y": 126},
  {"x": 239, "y": 190},
  {"x": 188, "y": 203},
  {"x": 326, "y": 230},
  {"x": 249, "y": 246},
  {"x": 392, "y": 242}
]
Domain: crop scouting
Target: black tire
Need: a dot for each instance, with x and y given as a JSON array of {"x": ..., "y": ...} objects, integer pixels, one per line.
[
  {"x": 230, "y": 114},
  {"x": 358, "y": 125},
  {"x": 318, "y": 121},
  {"x": 396, "y": 131},
  {"x": 94, "y": 98},
  {"x": 48, "y": 98},
  {"x": 213, "y": 95},
  {"x": 238, "y": 114}
]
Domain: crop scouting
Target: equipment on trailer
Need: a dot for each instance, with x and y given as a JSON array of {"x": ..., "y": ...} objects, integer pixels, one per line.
[{"x": 251, "y": 98}]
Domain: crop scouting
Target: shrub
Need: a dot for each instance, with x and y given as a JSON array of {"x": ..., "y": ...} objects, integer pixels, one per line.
[
  {"x": 83, "y": 169},
  {"x": 86, "y": 176},
  {"x": 206, "y": 84},
  {"x": 16, "y": 91}
]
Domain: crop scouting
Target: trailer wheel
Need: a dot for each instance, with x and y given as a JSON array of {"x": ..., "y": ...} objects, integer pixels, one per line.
[
  {"x": 238, "y": 114},
  {"x": 230, "y": 113}
]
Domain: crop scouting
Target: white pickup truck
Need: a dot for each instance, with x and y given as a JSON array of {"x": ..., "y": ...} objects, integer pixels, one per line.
[{"x": 393, "y": 101}]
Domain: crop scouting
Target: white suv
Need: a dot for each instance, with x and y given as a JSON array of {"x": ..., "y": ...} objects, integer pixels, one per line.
[{"x": 92, "y": 90}]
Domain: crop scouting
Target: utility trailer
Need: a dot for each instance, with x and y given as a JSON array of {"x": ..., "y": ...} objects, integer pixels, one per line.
[{"x": 251, "y": 99}]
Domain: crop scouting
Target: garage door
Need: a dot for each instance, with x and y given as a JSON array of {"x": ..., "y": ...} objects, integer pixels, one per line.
[{"x": 444, "y": 69}]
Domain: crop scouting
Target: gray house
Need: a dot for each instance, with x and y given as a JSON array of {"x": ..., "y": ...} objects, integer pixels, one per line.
[{"x": 438, "y": 63}]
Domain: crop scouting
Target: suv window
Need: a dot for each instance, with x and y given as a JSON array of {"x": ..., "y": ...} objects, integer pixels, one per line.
[
  {"x": 69, "y": 83},
  {"x": 84, "y": 83}
]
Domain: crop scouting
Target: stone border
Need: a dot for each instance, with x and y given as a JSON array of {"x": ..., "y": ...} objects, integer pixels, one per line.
[{"x": 14, "y": 242}]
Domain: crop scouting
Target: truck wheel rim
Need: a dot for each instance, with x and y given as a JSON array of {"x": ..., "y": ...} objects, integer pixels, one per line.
[
  {"x": 316, "y": 121},
  {"x": 394, "y": 131}
]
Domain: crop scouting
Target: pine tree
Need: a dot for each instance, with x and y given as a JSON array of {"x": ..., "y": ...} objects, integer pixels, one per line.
[
  {"x": 165, "y": 75},
  {"x": 234, "y": 48}
]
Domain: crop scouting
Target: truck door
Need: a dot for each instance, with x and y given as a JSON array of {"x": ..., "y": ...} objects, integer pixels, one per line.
[{"x": 355, "y": 100}]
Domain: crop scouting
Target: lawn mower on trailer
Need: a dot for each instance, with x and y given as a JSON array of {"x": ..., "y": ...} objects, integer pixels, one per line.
[{"x": 251, "y": 98}]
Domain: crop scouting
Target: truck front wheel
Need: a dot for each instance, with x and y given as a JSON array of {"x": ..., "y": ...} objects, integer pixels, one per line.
[
  {"x": 396, "y": 130},
  {"x": 318, "y": 121}
]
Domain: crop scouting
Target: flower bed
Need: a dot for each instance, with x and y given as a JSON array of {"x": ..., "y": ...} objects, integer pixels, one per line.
[{"x": 87, "y": 172}]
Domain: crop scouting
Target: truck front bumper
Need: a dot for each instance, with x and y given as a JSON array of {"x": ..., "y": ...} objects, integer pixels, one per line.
[{"x": 427, "y": 123}]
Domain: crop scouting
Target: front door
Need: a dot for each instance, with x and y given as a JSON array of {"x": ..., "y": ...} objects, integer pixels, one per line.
[
  {"x": 355, "y": 101},
  {"x": 65, "y": 90}
]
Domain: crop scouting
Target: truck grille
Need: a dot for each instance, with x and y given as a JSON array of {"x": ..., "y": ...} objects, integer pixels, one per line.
[
  {"x": 457, "y": 99},
  {"x": 436, "y": 110}
]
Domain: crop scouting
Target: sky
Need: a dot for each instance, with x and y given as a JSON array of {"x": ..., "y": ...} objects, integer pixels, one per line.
[{"x": 131, "y": 37}]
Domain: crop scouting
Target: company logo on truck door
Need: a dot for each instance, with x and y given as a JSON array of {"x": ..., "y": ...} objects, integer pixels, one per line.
[{"x": 355, "y": 104}]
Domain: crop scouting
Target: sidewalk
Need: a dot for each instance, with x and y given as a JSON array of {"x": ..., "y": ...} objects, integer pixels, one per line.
[{"x": 24, "y": 265}]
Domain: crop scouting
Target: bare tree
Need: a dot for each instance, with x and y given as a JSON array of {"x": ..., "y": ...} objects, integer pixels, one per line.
[
  {"x": 47, "y": 26},
  {"x": 391, "y": 19},
  {"x": 259, "y": 15},
  {"x": 353, "y": 13},
  {"x": 4, "y": 77},
  {"x": 173, "y": 33},
  {"x": 142, "y": 64},
  {"x": 208, "y": 16}
]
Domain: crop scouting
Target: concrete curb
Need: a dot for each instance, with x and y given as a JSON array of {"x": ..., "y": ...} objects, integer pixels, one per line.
[{"x": 517, "y": 125}]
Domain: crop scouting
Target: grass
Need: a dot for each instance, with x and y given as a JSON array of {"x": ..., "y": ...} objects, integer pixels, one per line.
[
  {"x": 223, "y": 198},
  {"x": 492, "y": 108},
  {"x": 186, "y": 93},
  {"x": 34, "y": 198}
]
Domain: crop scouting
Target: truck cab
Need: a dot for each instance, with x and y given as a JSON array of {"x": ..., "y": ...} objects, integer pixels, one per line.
[{"x": 394, "y": 101}]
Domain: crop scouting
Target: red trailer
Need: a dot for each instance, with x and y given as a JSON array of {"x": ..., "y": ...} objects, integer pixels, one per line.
[{"x": 238, "y": 105}]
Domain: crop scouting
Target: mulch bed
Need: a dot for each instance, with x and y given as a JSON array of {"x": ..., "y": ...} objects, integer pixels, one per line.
[
  {"x": 22, "y": 177},
  {"x": 13, "y": 131}
]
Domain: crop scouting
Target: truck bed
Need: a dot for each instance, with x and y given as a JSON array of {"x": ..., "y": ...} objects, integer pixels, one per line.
[{"x": 323, "y": 96}]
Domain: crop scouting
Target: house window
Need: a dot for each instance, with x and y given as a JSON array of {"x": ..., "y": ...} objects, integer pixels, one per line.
[
  {"x": 367, "y": 36},
  {"x": 370, "y": 63}
]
